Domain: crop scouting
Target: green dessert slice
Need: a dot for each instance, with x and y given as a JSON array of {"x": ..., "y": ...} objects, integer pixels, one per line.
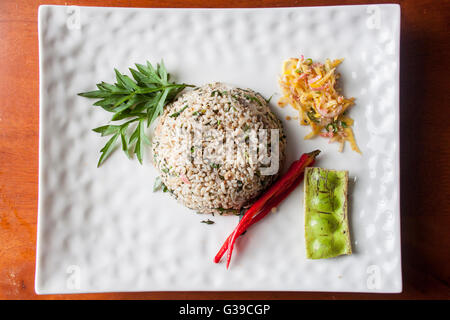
[{"x": 326, "y": 223}]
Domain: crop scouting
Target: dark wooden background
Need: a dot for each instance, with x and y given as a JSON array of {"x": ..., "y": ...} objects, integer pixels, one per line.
[{"x": 425, "y": 156}]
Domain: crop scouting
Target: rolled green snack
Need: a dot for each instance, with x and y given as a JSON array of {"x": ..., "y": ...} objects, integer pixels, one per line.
[{"x": 326, "y": 223}]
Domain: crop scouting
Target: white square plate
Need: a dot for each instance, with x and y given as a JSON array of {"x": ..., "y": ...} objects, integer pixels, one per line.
[{"x": 102, "y": 229}]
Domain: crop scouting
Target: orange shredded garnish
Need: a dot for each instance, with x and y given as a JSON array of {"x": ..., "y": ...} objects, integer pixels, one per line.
[{"x": 311, "y": 89}]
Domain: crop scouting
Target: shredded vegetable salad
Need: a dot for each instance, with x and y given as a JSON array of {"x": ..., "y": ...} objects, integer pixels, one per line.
[{"x": 310, "y": 87}]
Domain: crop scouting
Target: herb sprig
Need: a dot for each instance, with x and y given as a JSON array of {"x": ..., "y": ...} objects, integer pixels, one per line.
[{"x": 140, "y": 99}]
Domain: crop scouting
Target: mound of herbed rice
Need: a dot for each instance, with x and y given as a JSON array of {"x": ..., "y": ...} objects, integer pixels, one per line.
[{"x": 192, "y": 150}]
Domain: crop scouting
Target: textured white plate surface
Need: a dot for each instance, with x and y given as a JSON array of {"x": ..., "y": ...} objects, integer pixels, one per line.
[{"x": 102, "y": 229}]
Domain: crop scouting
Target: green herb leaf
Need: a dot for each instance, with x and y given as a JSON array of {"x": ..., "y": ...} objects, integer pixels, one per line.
[
  {"x": 165, "y": 170},
  {"x": 134, "y": 136},
  {"x": 270, "y": 98},
  {"x": 162, "y": 71},
  {"x": 140, "y": 141},
  {"x": 141, "y": 98},
  {"x": 333, "y": 125},
  {"x": 176, "y": 114},
  {"x": 215, "y": 165},
  {"x": 158, "y": 184},
  {"x": 124, "y": 140},
  {"x": 253, "y": 98},
  {"x": 125, "y": 81},
  {"x": 207, "y": 221},
  {"x": 127, "y": 114},
  {"x": 160, "y": 105},
  {"x": 216, "y": 92},
  {"x": 95, "y": 94},
  {"x": 312, "y": 117},
  {"x": 223, "y": 210},
  {"x": 107, "y": 149},
  {"x": 107, "y": 130}
]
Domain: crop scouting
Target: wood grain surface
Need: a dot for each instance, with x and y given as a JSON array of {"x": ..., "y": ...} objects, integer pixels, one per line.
[{"x": 425, "y": 154}]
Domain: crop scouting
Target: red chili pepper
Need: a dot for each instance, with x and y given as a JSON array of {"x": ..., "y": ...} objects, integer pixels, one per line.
[
  {"x": 271, "y": 198},
  {"x": 278, "y": 190},
  {"x": 267, "y": 209},
  {"x": 261, "y": 215}
]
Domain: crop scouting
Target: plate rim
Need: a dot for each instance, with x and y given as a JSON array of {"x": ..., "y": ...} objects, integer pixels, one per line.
[{"x": 42, "y": 7}]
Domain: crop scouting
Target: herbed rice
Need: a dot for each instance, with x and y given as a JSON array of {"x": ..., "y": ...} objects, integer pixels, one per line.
[{"x": 213, "y": 184}]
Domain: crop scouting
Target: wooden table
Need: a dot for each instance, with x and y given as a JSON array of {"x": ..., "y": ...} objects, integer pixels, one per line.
[{"x": 425, "y": 152}]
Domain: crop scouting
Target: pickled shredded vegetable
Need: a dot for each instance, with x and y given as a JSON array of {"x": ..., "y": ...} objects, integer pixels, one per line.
[{"x": 310, "y": 87}]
